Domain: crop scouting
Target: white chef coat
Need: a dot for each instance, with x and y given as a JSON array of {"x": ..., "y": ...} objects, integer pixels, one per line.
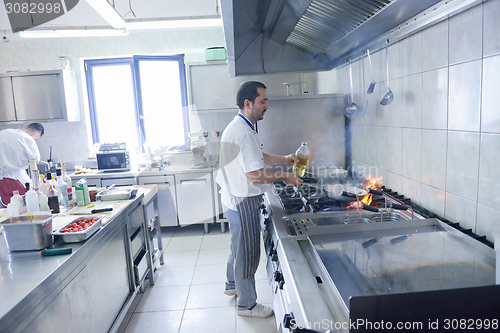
[
  {"x": 17, "y": 149},
  {"x": 241, "y": 140}
]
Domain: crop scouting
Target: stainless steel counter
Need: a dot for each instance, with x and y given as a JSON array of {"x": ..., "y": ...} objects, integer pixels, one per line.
[{"x": 30, "y": 282}]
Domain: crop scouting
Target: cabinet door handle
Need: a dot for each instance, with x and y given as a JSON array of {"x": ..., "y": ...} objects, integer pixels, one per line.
[
  {"x": 162, "y": 183},
  {"x": 193, "y": 181}
]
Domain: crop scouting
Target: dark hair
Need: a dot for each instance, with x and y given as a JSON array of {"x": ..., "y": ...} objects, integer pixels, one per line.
[
  {"x": 35, "y": 127},
  {"x": 248, "y": 90}
]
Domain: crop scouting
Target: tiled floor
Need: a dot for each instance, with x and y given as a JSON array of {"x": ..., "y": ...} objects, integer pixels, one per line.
[{"x": 188, "y": 295}]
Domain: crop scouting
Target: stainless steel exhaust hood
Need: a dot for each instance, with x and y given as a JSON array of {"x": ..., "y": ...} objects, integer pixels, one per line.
[{"x": 272, "y": 36}]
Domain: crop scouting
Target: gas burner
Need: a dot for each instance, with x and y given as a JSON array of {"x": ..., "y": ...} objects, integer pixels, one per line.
[
  {"x": 310, "y": 191},
  {"x": 325, "y": 203}
]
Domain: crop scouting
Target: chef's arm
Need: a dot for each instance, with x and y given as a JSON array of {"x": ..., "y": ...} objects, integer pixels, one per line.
[
  {"x": 270, "y": 159},
  {"x": 264, "y": 176}
]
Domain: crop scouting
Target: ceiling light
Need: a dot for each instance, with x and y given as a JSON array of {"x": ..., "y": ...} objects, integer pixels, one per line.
[
  {"x": 104, "y": 9},
  {"x": 174, "y": 24},
  {"x": 72, "y": 33}
]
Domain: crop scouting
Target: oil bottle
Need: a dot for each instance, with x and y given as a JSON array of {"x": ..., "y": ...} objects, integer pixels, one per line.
[{"x": 299, "y": 168}]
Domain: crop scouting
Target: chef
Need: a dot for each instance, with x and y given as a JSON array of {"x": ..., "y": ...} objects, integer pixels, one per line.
[
  {"x": 17, "y": 149},
  {"x": 243, "y": 178}
]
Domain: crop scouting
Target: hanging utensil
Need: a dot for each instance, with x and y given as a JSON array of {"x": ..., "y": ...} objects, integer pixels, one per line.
[
  {"x": 363, "y": 111},
  {"x": 372, "y": 84},
  {"x": 351, "y": 108},
  {"x": 389, "y": 96}
]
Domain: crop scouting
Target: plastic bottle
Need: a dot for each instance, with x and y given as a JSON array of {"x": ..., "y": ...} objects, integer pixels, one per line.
[
  {"x": 43, "y": 201},
  {"x": 32, "y": 201},
  {"x": 299, "y": 168},
  {"x": 63, "y": 188},
  {"x": 13, "y": 209},
  {"x": 71, "y": 197},
  {"x": 53, "y": 194},
  {"x": 43, "y": 186},
  {"x": 16, "y": 198},
  {"x": 67, "y": 180}
]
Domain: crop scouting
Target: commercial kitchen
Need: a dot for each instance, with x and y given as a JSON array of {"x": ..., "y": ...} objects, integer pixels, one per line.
[{"x": 396, "y": 221}]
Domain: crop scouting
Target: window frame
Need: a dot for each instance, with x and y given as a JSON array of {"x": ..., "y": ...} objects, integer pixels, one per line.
[{"x": 133, "y": 62}]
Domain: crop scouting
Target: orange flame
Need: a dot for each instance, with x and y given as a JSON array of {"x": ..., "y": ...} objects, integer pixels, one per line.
[
  {"x": 372, "y": 183},
  {"x": 367, "y": 200}
]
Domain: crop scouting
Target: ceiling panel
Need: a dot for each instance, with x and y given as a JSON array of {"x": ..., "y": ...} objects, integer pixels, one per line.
[{"x": 85, "y": 16}]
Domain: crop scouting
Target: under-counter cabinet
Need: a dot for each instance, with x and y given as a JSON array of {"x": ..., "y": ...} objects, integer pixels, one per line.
[
  {"x": 195, "y": 202},
  {"x": 105, "y": 180},
  {"x": 167, "y": 202},
  {"x": 89, "y": 299},
  {"x": 91, "y": 289},
  {"x": 124, "y": 181}
]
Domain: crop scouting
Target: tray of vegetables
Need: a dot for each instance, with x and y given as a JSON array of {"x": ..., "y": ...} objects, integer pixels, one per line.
[{"x": 79, "y": 229}]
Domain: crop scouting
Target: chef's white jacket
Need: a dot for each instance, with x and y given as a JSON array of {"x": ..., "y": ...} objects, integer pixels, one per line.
[
  {"x": 17, "y": 149},
  {"x": 241, "y": 153}
]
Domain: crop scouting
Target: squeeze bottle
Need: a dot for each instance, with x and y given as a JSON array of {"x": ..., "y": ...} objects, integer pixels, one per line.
[{"x": 32, "y": 201}]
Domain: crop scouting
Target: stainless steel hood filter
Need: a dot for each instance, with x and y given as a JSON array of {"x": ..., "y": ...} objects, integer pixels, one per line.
[
  {"x": 325, "y": 22},
  {"x": 272, "y": 36}
]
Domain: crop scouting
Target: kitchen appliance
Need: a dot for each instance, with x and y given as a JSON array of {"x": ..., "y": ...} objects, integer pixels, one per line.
[
  {"x": 113, "y": 157},
  {"x": 199, "y": 148},
  {"x": 318, "y": 35},
  {"x": 328, "y": 261},
  {"x": 28, "y": 232},
  {"x": 312, "y": 196}
]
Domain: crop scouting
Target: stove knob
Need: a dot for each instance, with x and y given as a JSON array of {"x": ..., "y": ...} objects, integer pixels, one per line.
[
  {"x": 278, "y": 276},
  {"x": 274, "y": 257},
  {"x": 267, "y": 221},
  {"x": 269, "y": 243},
  {"x": 287, "y": 320},
  {"x": 272, "y": 252}
]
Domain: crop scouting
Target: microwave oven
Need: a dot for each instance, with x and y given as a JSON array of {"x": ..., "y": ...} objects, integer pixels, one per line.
[{"x": 113, "y": 161}]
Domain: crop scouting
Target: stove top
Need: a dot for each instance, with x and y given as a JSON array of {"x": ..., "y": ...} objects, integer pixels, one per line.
[
  {"x": 310, "y": 197},
  {"x": 306, "y": 198}
]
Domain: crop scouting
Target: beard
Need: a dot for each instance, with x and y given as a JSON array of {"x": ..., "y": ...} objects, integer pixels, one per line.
[{"x": 262, "y": 115}]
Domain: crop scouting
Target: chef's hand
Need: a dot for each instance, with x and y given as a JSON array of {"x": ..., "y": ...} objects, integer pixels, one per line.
[
  {"x": 290, "y": 159},
  {"x": 292, "y": 179}
]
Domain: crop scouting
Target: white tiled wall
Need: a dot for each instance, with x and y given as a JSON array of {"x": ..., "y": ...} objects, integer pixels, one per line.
[
  {"x": 439, "y": 140},
  {"x": 71, "y": 141}
]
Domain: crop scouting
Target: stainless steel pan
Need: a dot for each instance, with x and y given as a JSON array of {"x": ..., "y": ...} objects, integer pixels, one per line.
[{"x": 344, "y": 192}]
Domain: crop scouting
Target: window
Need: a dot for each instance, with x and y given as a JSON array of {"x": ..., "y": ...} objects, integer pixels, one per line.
[{"x": 138, "y": 99}]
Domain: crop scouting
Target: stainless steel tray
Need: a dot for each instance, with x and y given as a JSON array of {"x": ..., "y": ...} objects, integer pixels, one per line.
[
  {"x": 24, "y": 233},
  {"x": 80, "y": 236},
  {"x": 116, "y": 194}
]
